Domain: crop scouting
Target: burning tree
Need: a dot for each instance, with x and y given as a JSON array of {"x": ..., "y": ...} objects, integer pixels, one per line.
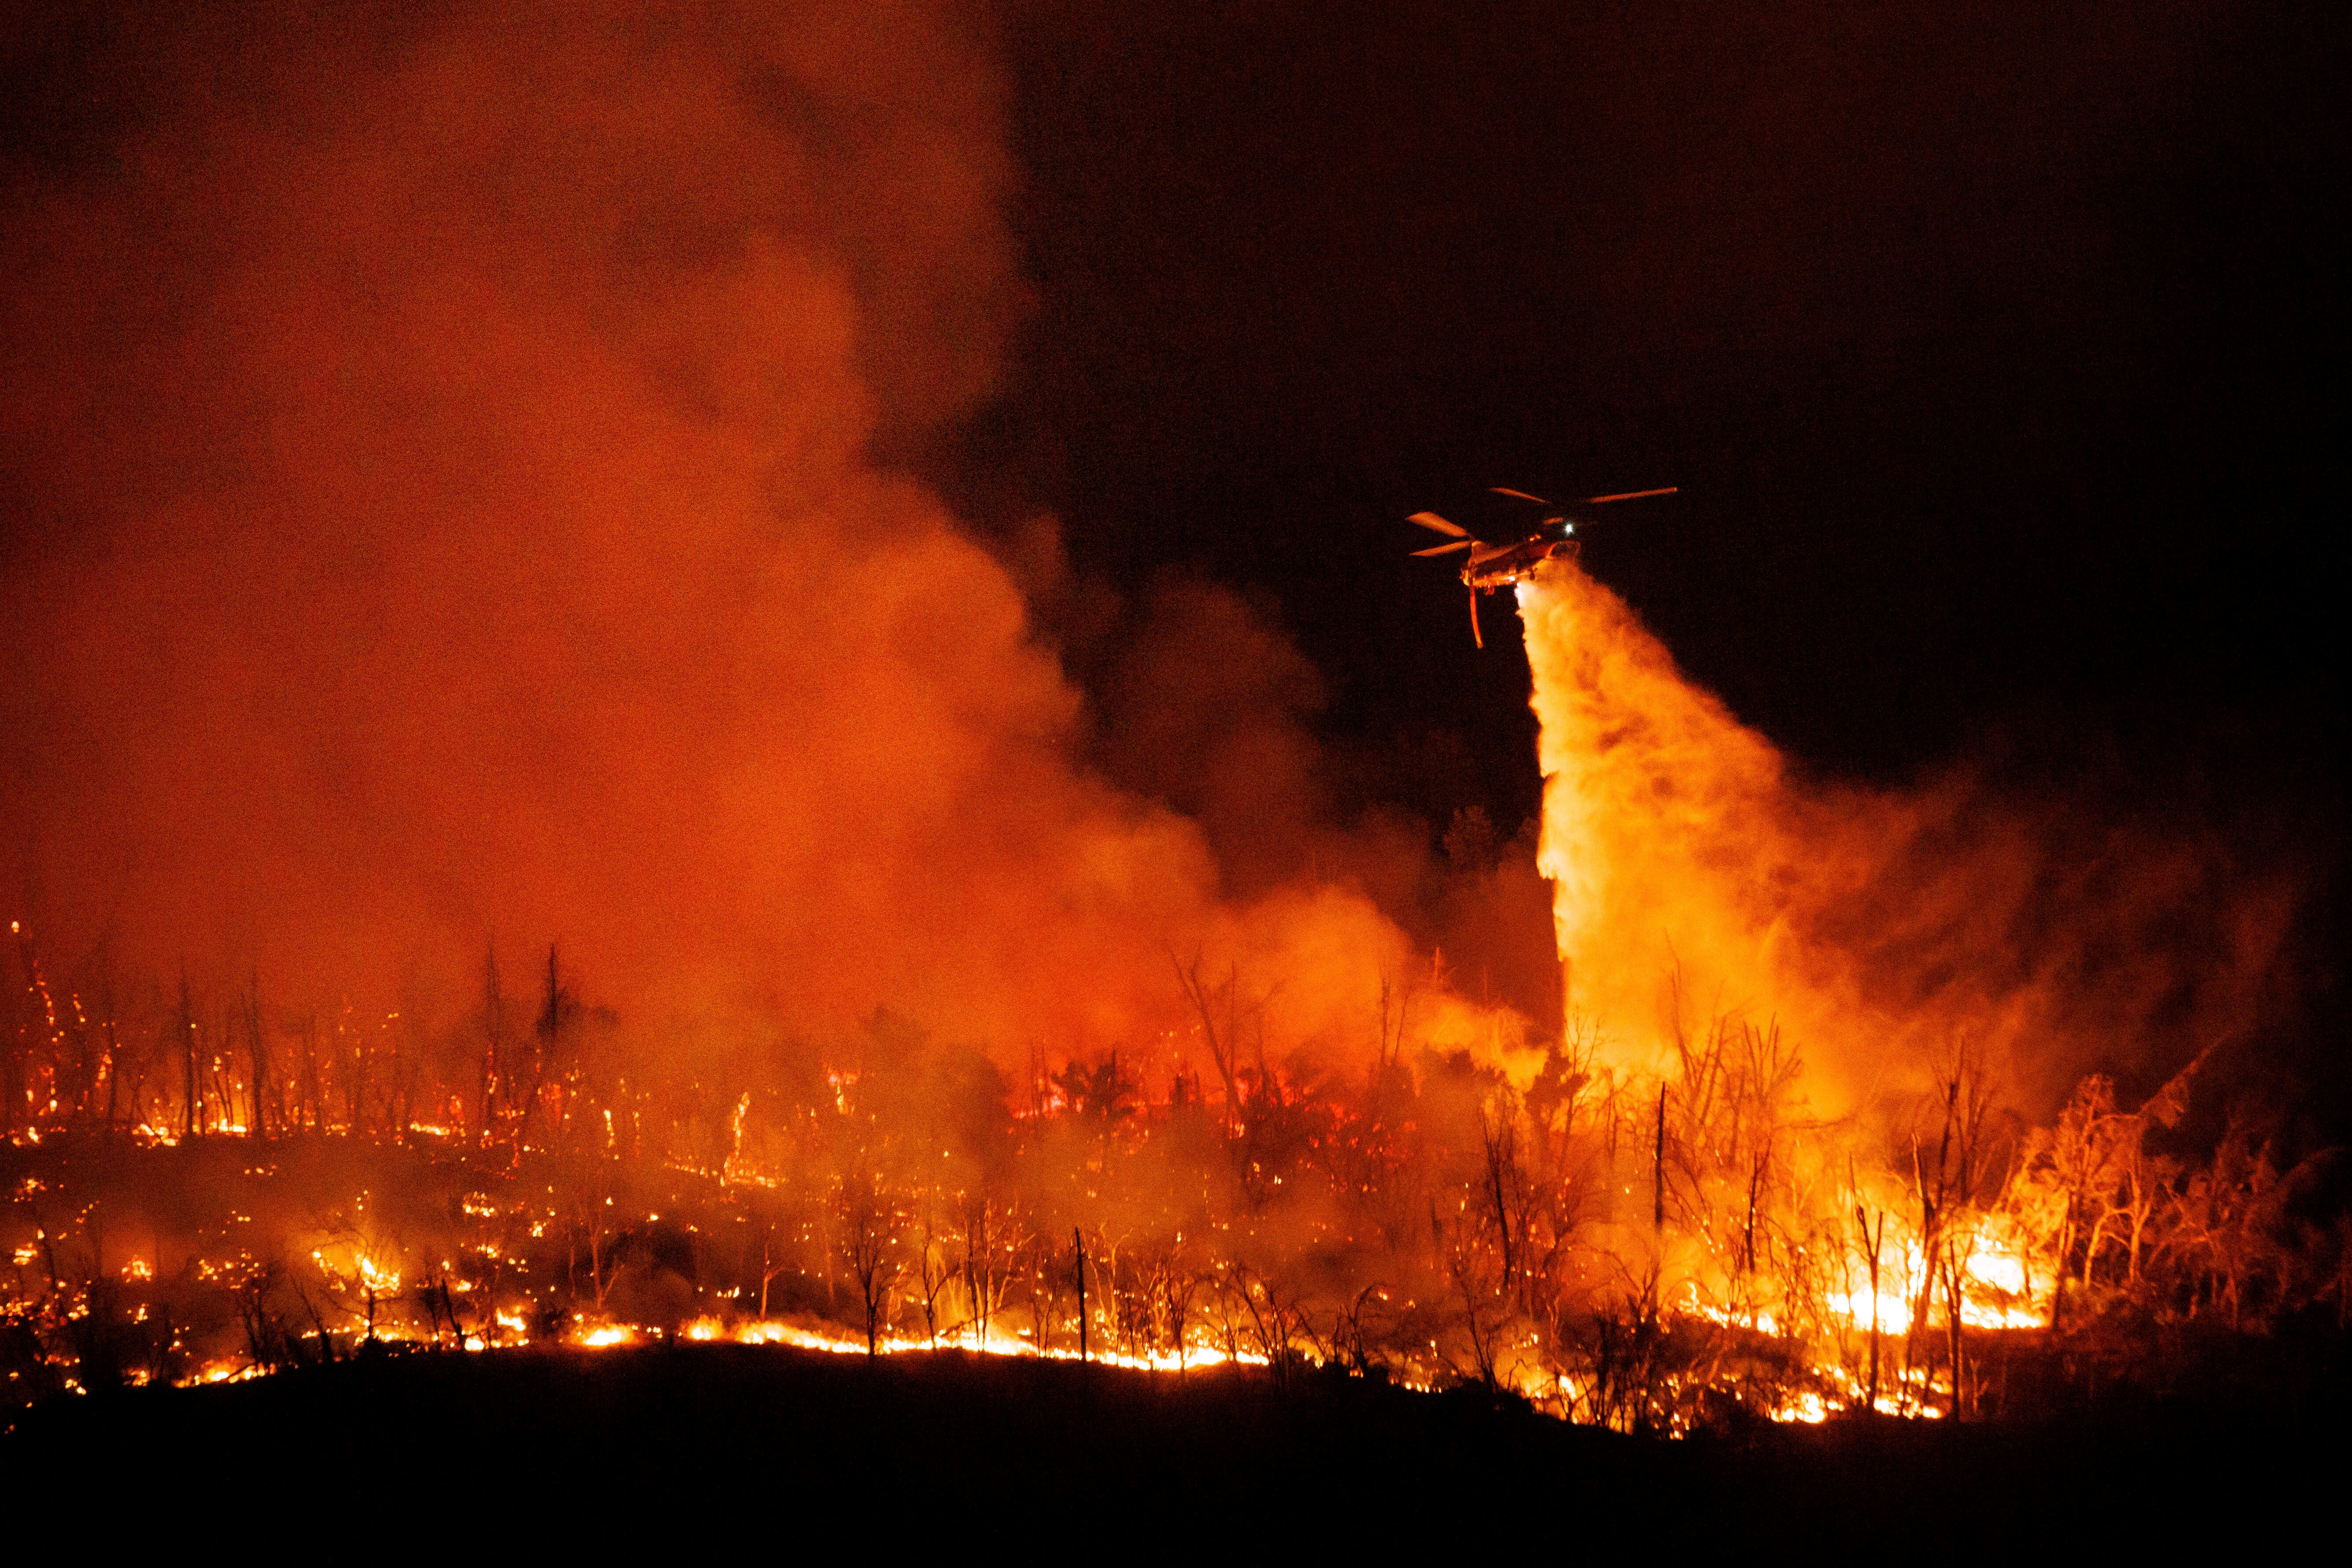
[{"x": 1642, "y": 1251}]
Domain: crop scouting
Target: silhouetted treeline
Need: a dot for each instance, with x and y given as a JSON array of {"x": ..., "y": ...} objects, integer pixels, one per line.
[{"x": 201, "y": 1184}]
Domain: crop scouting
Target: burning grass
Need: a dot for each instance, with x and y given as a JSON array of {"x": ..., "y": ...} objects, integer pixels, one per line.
[{"x": 1664, "y": 1256}]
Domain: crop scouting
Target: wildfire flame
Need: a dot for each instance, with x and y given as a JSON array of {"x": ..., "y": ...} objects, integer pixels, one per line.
[{"x": 881, "y": 1004}]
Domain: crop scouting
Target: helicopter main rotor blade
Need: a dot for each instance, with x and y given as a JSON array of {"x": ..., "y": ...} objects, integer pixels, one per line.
[
  {"x": 1627, "y": 495},
  {"x": 1432, "y": 520},
  {"x": 1448, "y": 549},
  {"x": 1520, "y": 494}
]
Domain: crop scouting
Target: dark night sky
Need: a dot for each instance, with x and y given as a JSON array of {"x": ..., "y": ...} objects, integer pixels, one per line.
[{"x": 1997, "y": 350}]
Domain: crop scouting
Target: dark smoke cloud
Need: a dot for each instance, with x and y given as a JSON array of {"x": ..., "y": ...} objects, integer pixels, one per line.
[{"x": 1208, "y": 703}]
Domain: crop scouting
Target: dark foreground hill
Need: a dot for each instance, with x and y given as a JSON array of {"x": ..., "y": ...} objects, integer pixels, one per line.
[{"x": 918, "y": 1452}]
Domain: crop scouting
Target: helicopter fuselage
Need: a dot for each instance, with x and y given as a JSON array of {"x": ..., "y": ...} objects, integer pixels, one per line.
[{"x": 1491, "y": 567}]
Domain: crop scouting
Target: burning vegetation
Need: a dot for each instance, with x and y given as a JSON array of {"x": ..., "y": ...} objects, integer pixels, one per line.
[
  {"x": 209, "y": 1194},
  {"x": 452, "y": 441},
  {"x": 1654, "y": 1221}
]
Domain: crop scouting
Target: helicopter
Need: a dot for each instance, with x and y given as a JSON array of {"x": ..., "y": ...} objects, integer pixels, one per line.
[{"x": 1490, "y": 567}]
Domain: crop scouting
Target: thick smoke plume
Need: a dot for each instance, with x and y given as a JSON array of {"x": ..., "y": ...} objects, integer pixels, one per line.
[
  {"x": 440, "y": 452},
  {"x": 445, "y": 512},
  {"x": 1697, "y": 876}
]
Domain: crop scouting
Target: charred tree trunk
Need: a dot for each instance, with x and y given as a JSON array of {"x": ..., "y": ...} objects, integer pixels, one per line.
[
  {"x": 494, "y": 1015},
  {"x": 113, "y": 1069},
  {"x": 1873, "y": 1238},
  {"x": 14, "y": 1047},
  {"x": 184, "y": 1021},
  {"x": 1658, "y": 1170},
  {"x": 256, "y": 1051},
  {"x": 1952, "y": 1304},
  {"x": 558, "y": 1008},
  {"x": 2058, "y": 1274}
]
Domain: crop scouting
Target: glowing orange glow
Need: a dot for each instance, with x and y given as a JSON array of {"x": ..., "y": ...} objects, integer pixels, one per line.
[{"x": 840, "y": 997}]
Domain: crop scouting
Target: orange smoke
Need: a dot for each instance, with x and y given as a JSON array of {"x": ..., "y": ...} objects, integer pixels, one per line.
[
  {"x": 449, "y": 447},
  {"x": 1695, "y": 876},
  {"x": 455, "y": 518}
]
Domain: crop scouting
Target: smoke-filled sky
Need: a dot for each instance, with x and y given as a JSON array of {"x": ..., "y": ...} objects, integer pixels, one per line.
[
  {"x": 829, "y": 505},
  {"x": 447, "y": 513}
]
